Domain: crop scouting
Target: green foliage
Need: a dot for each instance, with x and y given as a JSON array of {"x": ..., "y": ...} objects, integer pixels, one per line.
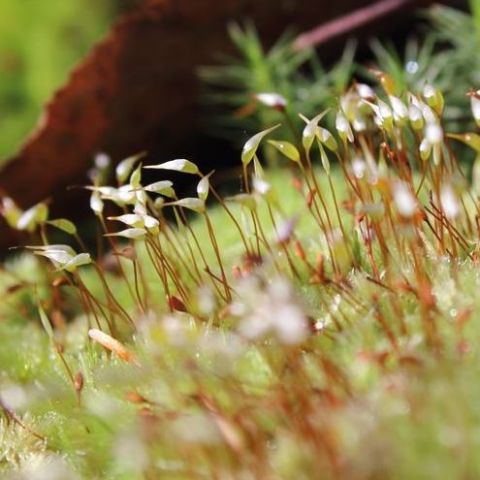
[
  {"x": 299, "y": 77},
  {"x": 420, "y": 63},
  {"x": 39, "y": 43}
]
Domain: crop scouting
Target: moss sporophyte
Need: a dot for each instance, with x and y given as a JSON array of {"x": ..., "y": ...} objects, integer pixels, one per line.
[{"x": 314, "y": 319}]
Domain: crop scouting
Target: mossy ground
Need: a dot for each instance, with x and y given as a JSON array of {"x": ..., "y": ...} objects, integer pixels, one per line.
[{"x": 204, "y": 401}]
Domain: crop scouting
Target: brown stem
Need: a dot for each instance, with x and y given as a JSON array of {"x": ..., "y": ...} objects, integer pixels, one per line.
[{"x": 347, "y": 23}]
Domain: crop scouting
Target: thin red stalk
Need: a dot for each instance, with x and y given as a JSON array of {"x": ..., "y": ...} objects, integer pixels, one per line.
[{"x": 218, "y": 256}]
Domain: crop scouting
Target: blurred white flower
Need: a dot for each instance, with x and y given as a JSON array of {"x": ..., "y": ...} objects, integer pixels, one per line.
[
  {"x": 130, "y": 453},
  {"x": 270, "y": 308},
  {"x": 405, "y": 201},
  {"x": 400, "y": 110},
  {"x": 415, "y": 117},
  {"x": 197, "y": 428},
  {"x": 449, "y": 202},
  {"x": 475, "y": 104},
  {"x": 46, "y": 466},
  {"x": 343, "y": 127},
  {"x": 359, "y": 167},
  {"x": 271, "y": 99},
  {"x": 433, "y": 133},
  {"x": 365, "y": 91}
]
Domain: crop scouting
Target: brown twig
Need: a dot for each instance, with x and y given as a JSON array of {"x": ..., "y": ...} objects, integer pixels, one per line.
[
  {"x": 11, "y": 415},
  {"x": 349, "y": 22}
]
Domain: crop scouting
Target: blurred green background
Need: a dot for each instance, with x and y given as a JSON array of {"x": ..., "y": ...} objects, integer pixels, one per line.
[{"x": 40, "y": 41}]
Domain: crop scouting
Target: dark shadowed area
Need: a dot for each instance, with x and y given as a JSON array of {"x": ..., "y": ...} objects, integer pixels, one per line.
[{"x": 138, "y": 90}]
